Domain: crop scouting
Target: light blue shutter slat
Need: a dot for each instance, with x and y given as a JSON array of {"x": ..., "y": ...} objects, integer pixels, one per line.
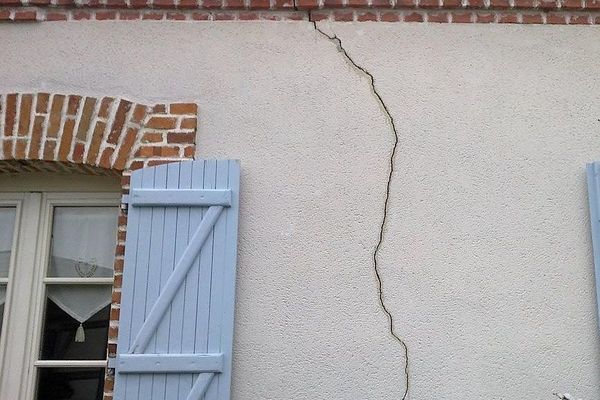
[
  {"x": 177, "y": 307},
  {"x": 593, "y": 179}
]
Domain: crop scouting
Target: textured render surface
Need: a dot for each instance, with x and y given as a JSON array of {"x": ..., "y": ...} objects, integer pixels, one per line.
[{"x": 487, "y": 266}]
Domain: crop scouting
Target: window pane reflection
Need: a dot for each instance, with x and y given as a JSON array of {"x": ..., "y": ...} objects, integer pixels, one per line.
[
  {"x": 70, "y": 384},
  {"x": 7, "y": 229},
  {"x": 61, "y": 342},
  {"x": 83, "y": 242}
]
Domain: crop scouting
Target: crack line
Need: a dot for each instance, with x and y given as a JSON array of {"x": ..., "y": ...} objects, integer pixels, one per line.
[{"x": 338, "y": 42}]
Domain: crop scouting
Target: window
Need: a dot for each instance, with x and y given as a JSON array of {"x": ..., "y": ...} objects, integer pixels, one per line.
[{"x": 56, "y": 275}]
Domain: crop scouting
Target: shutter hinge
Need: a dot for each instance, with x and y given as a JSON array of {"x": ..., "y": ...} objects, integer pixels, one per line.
[{"x": 125, "y": 203}]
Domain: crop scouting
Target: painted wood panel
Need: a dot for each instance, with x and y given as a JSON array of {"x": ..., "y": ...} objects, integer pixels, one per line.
[{"x": 176, "y": 327}]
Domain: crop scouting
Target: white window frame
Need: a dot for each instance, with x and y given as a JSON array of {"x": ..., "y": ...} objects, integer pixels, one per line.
[{"x": 21, "y": 339}]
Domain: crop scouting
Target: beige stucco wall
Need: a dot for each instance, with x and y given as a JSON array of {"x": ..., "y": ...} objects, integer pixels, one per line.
[{"x": 487, "y": 258}]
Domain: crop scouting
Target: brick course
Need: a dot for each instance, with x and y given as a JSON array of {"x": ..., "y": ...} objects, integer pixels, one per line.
[
  {"x": 436, "y": 11},
  {"x": 57, "y": 133}
]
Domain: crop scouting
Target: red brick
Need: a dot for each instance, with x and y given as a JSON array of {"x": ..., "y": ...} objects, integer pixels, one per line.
[
  {"x": 10, "y": 2},
  {"x": 105, "y": 107},
  {"x": 437, "y": 17},
  {"x": 524, "y": 3},
  {"x": 200, "y": 16},
  {"x": 164, "y": 3},
  {"x": 234, "y": 4},
  {"x": 153, "y": 15},
  {"x": 508, "y": 19},
  {"x": 129, "y": 15},
  {"x": 357, "y": 3},
  {"x": 56, "y": 16},
  {"x": 66, "y": 140},
  {"x": 451, "y": 3},
  {"x": 10, "y": 116},
  {"x": 7, "y": 149},
  {"x": 294, "y": 16},
  {"x": 20, "y": 146},
  {"x": 556, "y": 19},
  {"x": 475, "y": 4},
  {"x": 178, "y": 137},
  {"x": 55, "y": 115},
  {"x": 343, "y": 16},
  {"x": 73, "y": 105},
  {"x": 125, "y": 149},
  {"x": 183, "y": 108},
  {"x": 86, "y": 118},
  {"x": 190, "y": 123},
  {"x": 79, "y": 15},
  {"x": 307, "y": 4},
  {"x": 390, "y": 16},
  {"x": 362, "y": 16},
  {"x": 4, "y": 15},
  {"x": 429, "y": 3},
  {"x": 532, "y": 18},
  {"x": 152, "y": 137},
  {"x": 461, "y": 17},
  {"x": 334, "y": 3},
  {"x": 105, "y": 158},
  {"x": 572, "y": 4},
  {"x": 116, "y": 4},
  {"x": 25, "y": 114},
  {"x": 189, "y": 151},
  {"x": 406, "y": 3},
  {"x": 96, "y": 141},
  {"x": 548, "y": 4},
  {"x": 592, "y": 4},
  {"x": 176, "y": 16},
  {"x": 319, "y": 16},
  {"x": 41, "y": 105},
  {"x": 36, "y": 137},
  {"x": 499, "y": 4},
  {"x": 579, "y": 20},
  {"x": 138, "y": 3},
  {"x": 49, "y": 150},
  {"x": 260, "y": 4},
  {"x": 248, "y": 16},
  {"x": 381, "y": 3},
  {"x": 412, "y": 17},
  {"x": 212, "y": 4},
  {"x": 78, "y": 152},
  {"x": 283, "y": 5},
  {"x": 188, "y": 4},
  {"x": 162, "y": 123},
  {"x": 106, "y": 15},
  {"x": 119, "y": 121},
  {"x": 153, "y": 163}
]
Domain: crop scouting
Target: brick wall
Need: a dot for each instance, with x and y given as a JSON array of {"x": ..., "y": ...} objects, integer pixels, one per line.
[
  {"x": 574, "y": 12},
  {"x": 43, "y": 132}
]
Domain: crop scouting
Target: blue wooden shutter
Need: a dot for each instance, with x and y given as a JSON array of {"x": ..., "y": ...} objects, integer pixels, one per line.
[
  {"x": 593, "y": 178},
  {"x": 176, "y": 324}
]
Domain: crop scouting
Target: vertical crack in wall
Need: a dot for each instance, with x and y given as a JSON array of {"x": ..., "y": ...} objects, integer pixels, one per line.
[{"x": 338, "y": 42}]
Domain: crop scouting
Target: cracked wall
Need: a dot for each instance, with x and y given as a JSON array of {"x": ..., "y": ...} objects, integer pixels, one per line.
[{"x": 486, "y": 261}]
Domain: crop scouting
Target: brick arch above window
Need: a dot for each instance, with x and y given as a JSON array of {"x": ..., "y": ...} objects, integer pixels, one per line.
[{"x": 46, "y": 132}]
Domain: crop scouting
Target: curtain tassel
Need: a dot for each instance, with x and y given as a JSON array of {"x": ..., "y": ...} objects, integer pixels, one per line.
[{"x": 80, "y": 334}]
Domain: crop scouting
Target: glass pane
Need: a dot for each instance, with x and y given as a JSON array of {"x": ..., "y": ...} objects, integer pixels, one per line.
[
  {"x": 68, "y": 333},
  {"x": 70, "y": 384},
  {"x": 83, "y": 242},
  {"x": 7, "y": 229}
]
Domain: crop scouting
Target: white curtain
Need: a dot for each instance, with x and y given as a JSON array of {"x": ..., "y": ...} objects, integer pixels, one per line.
[{"x": 83, "y": 243}]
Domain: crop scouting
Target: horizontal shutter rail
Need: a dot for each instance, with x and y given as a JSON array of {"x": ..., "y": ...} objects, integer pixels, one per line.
[
  {"x": 179, "y": 197},
  {"x": 169, "y": 363}
]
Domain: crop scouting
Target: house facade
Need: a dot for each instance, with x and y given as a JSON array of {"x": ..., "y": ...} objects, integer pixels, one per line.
[{"x": 413, "y": 209}]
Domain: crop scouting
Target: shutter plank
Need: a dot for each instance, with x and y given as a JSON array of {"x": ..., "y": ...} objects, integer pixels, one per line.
[
  {"x": 175, "y": 298},
  {"x": 593, "y": 181}
]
